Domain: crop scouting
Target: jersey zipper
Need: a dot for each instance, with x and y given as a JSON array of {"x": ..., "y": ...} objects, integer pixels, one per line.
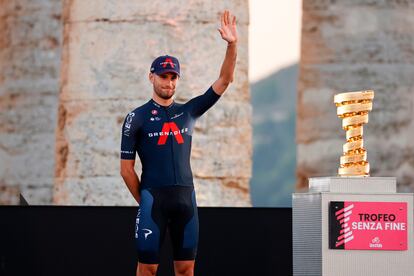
[{"x": 172, "y": 147}]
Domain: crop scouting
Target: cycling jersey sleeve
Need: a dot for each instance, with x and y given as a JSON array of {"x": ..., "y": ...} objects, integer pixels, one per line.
[
  {"x": 202, "y": 103},
  {"x": 129, "y": 136}
]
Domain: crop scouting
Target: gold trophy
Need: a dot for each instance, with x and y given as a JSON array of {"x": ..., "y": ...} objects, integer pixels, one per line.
[{"x": 353, "y": 108}]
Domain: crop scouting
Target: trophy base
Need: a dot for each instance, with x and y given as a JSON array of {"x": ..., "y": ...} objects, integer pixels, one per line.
[{"x": 312, "y": 254}]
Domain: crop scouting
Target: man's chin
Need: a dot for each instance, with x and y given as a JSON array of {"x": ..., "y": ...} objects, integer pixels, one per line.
[{"x": 167, "y": 95}]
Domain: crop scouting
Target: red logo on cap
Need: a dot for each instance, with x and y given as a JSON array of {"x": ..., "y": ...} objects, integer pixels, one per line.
[{"x": 168, "y": 61}]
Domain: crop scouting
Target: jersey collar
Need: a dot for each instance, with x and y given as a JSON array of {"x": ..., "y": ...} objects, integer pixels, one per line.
[{"x": 161, "y": 106}]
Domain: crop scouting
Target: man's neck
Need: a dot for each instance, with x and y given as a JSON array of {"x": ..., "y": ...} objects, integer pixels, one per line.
[{"x": 161, "y": 101}]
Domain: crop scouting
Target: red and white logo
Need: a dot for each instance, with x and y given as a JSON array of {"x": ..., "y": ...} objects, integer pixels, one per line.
[
  {"x": 154, "y": 112},
  {"x": 167, "y": 61},
  {"x": 345, "y": 234},
  {"x": 167, "y": 127}
]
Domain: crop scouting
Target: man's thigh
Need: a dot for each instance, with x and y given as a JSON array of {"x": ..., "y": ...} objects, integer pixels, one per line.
[
  {"x": 150, "y": 228},
  {"x": 184, "y": 226}
]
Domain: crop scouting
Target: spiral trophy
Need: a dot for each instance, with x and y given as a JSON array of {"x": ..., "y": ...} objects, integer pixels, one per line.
[
  {"x": 353, "y": 108},
  {"x": 342, "y": 214}
]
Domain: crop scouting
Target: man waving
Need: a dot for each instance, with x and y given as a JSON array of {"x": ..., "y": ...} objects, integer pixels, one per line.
[{"x": 160, "y": 131}]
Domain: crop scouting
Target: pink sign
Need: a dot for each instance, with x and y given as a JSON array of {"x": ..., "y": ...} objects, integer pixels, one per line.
[{"x": 368, "y": 225}]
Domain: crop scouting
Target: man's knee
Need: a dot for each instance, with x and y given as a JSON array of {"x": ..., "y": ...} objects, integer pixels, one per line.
[
  {"x": 184, "y": 268},
  {"x": 146, "y": 269}
]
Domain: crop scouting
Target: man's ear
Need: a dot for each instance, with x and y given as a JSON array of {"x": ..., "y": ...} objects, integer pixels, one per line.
[{"x": 151, "y": 77}]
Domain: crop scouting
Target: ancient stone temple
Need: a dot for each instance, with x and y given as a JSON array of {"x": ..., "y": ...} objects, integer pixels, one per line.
[
  {"x": 30, "y": 50},
  {"x": 72, "y": 70},
  {"x": 349, "y": 46}
]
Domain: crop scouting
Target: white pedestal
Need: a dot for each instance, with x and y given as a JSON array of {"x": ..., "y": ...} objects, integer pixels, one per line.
[{"x": 311, "y": 253}]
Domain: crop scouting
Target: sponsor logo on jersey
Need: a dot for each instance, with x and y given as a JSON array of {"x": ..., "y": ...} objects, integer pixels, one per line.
[
  {"x": 128, "y": 121},
  {"x": 176, "y": 115},
  {"x": 154, "y": 112},
  {"x": 169, "y": 129}
]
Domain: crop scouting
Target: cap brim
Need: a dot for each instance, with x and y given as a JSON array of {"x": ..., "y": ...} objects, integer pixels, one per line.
[{"x": 167, "y": 71}]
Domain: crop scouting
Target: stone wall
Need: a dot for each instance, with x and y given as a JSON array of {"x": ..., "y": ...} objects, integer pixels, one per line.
[
  {"x": 30, "y": 39},
  {"x": 355, "y": 45},
  {"x": 107, "y": 49}
]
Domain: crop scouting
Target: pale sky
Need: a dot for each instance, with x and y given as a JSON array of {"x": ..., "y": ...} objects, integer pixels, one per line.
[{"x": 274, "y": 35}]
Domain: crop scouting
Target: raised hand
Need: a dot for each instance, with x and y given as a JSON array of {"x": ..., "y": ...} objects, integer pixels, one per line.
[{"x": 228, "y": 30}]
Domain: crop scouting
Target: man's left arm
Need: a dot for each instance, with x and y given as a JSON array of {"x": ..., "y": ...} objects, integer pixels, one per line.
[{"x": 228, "y": 32}]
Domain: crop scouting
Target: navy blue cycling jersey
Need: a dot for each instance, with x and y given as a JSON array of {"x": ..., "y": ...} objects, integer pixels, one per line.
[{"x": 162, "y": 137}]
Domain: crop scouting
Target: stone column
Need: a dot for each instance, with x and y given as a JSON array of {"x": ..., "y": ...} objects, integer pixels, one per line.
[
  {"x": 357, "y": 45},
  {"x": 30, "y": 41},
  {"x": 108, "y": 48}
]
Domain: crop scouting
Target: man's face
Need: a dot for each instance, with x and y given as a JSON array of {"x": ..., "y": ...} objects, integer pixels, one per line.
[{"x": 164, "y": 84}]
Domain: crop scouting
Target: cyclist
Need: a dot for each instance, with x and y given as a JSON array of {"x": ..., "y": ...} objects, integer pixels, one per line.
[{"x": 160, "y": 131}]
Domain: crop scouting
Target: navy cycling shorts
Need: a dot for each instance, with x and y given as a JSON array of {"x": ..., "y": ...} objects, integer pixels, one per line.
[{"x": 173, "y": 208}]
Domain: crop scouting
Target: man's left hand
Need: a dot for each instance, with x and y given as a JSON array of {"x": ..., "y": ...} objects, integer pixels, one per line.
[{"x": 228, "y": 30}]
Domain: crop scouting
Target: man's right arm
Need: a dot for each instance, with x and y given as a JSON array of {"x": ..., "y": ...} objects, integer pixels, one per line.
[
  {"x": 128, "y": 152},
  {"x": 131, "y": 178}
]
